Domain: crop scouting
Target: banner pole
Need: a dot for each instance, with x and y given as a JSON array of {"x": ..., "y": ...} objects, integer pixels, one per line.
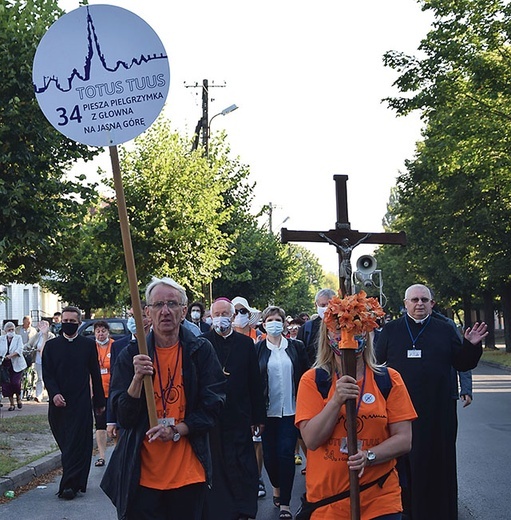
[{"x": 132, "y": 279}]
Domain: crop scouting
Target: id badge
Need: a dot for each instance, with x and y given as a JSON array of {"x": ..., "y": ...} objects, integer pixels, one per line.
[
  {"x": 344, "y": 445},
  {"x": 167, "y": 421},
  {"x": 414, "y": 353},
  {"x": 104, "y": 371}
]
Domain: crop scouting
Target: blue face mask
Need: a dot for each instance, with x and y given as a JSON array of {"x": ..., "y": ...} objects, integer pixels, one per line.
[
  {"x": 274, "y": 328},
  {"x": 132, "y": 326}
]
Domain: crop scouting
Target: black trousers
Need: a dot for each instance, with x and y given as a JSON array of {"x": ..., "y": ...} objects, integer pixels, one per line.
[{"x": 172, "y": 504}]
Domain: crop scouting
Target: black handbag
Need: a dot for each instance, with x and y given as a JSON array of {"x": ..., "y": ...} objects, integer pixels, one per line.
[
  {"x": 5, "y": 377},
  {"x": 307, "y": 508}
]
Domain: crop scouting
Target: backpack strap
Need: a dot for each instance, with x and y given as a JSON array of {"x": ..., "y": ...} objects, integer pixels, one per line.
[
  {"x": 383, "y": 381},
  {"x": 323, "y": 381}
]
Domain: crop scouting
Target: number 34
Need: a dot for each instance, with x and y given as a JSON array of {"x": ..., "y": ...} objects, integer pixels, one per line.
[{"x": 64, "y": 119}]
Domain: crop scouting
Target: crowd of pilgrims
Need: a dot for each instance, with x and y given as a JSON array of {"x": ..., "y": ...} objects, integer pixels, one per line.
[{"x": 282, "y": 398}]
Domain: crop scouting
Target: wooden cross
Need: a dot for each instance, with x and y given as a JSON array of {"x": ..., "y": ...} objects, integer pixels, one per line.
[{"x": 343, "y": 237}]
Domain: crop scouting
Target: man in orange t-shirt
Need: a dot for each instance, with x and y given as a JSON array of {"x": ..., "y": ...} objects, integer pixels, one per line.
[{"x": 162, "y": 473}]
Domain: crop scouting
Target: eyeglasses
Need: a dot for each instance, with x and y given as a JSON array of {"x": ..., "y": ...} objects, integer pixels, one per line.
[
  {"x": 171, "y": 304},
  {"x": 417, "y": 300},
  {"x": 241, "y": 311}
]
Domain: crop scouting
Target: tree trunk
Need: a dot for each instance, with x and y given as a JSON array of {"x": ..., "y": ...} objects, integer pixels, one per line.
[
  {"x": 489, "y": 318},
  {"x": 506, "y": 312},
  {"x": 467, "y": 310}
]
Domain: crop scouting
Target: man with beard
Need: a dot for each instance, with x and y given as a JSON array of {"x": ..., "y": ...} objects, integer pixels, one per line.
[
  {"x": 70, "y": 365},
  {"x": 234, "y": 493}
]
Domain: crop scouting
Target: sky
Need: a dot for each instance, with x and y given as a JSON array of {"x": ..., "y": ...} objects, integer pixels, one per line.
[{"x": 308, "y": 78}]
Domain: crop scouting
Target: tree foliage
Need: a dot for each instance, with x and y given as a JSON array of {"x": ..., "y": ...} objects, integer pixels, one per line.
[
  {"x": 455, "y": 197},
  {"x": 41, "y": 207}
]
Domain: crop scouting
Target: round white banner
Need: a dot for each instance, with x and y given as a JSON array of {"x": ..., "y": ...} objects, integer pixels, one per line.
[{"x": 101, "y": 75}]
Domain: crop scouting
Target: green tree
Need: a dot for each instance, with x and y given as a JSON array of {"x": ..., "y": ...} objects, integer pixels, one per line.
[
  {"x": 41, "y": 206},
  {"x": 462, "y": 172}
]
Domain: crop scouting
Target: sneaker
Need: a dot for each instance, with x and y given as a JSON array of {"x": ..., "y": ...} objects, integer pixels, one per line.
[
  {"x": 298, "y": 460},
  {"x": 262, "y": 490}
]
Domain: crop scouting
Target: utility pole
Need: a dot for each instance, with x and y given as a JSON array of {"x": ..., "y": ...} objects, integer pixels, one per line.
[{"x": 203, "y": 123}]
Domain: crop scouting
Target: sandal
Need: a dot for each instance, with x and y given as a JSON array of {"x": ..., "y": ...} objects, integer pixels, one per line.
[
  {"x": 285, "y": 514},
  {"x": 276, "y": 501},
  {"x": 99, "y": 462}
]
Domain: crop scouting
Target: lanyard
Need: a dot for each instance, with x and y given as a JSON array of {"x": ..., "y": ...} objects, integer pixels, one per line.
[
  {"x": 172, "y": 376},
  {"x": 102, "y": 359},
  {"x": 414, "y": 340}
]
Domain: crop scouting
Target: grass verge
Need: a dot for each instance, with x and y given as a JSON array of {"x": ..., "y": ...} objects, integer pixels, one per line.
[
  {"x": 23, "y": 440},
  {"x": 499, "y": 357}
]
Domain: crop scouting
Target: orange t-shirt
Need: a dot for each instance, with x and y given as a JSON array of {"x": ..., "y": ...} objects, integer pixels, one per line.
[
  {"x": 327, "y": 470},
  {"x": 104, "y": 356},
  {"x": 169, "y": 465}
]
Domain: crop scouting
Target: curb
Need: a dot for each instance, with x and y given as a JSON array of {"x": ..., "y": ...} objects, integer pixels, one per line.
[
  {"x": 495, "y": 365},
  {"x": 25, "y": 474}
]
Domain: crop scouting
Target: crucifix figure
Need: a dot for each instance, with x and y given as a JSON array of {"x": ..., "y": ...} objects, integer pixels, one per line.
[
  {"x": 344, "y": 249},
  {"x": 342, "y": 236}
]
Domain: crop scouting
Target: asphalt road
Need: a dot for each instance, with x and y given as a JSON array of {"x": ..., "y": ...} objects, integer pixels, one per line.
[
  {"x": 483, "y": 467},
  {"x": 484, "y": 441}
]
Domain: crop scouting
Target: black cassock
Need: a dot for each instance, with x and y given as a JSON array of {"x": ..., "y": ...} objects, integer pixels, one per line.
[
  {"x": 426, "y": 371},
  {"x": 235, "y": 473},
  {"x": 69, "y": 367}
]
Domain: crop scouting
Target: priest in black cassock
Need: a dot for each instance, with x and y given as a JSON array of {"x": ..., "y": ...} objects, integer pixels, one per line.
[
  {"x": 234, "y": 491},
  {"x": 70, "y": 364},
  {"x": 424, "y": 350}
]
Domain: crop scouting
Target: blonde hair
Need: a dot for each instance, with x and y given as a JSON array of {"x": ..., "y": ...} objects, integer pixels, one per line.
[{"x": 325, "y": 357}]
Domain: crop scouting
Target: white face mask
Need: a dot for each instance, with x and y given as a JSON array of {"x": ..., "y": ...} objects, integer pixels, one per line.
[
  {"x": 10, "y": 334},
  {"x": 221, "y": 324},
  {"x": 241, "y": 320},
  {"x": 195, "y": 315},
  {"x": 274, "y": 328},
  {"x": 321, "y": 311},
  {"x": 104, "y": 342}
]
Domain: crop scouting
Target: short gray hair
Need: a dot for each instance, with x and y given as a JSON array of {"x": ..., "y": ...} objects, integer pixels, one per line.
[
  {"x": 416, "y": 286},
  {"x": 329, "y": 293},
  {"x": 166, "y": 281}
]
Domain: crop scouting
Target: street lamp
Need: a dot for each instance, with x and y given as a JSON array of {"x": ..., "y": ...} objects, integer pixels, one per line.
[{"x": 224, "y": 112}]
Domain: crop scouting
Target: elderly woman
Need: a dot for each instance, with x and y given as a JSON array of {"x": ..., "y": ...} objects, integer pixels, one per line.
[
  {"x": 282, "y": 363},
  {"x": 13, "y": 363},
  {"x": 383, "y": 431}
]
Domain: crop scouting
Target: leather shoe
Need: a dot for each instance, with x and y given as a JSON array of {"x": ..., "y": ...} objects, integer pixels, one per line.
[{"x": 67, "y": 494}]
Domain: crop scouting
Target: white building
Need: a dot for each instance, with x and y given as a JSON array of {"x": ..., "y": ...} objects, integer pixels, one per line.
[{"x": 18, "y": 300}]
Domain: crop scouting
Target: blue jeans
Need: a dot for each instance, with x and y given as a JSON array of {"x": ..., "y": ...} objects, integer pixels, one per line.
[{"x": 279, "y": 441}]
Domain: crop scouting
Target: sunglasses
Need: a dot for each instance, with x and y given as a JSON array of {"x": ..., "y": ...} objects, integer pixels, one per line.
[{"x": 241, "y": 311}]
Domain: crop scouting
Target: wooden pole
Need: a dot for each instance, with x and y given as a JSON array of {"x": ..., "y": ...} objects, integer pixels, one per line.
[
  {"x": 132, "y": 279},
  {"x": 349, "y": 367}
]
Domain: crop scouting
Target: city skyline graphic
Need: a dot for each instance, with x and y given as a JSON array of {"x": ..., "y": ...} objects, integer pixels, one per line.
[{"x": 94, "y": 49}]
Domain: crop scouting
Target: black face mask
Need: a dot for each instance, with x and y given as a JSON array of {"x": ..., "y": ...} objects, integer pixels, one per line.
[{"x": 69, "y": 329}]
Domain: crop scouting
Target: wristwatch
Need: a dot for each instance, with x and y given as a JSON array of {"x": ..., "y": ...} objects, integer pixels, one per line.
[
  {"x": 371, "y": 457},
  {"x": 176, "y": 435}
]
